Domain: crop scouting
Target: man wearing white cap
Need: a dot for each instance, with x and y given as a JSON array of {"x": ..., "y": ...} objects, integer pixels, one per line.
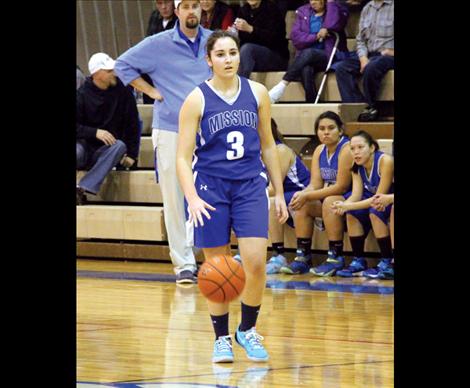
[
  {"x": 175, "y": 61},
  {"x": 107, "y": 125}
]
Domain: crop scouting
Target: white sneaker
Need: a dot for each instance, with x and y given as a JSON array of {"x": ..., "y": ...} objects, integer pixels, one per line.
[{"x": 276, "y": 92}]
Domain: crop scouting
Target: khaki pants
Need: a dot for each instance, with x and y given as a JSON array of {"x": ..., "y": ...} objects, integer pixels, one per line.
[{"x": 179, "y": 232}]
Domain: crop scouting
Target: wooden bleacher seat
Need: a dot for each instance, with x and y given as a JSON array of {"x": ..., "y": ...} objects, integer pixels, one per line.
[
  {"x": 121, "y": 222},
  {"x": 128, "y": 186},
  {"x": 377, "y": 129},
  {"x": 146, "y": 157},
  {"x": 386, "y": 145},
  {"x": 146, "y": 115},
  {"x": 298, "y": 119}
]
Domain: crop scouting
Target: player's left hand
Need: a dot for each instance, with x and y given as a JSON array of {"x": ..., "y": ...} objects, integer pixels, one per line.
[
  {"x": 298, "y": 200},
  {"x": 381, "y": 201},
  {"x": 339, "y": 207},
  {"x": 281, "y": 209}
]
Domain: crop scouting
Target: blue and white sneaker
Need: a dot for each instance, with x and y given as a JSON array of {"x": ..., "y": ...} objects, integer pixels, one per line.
[
  {"x": 388, "y": 273},
  {"x": 330, "y": 266},
  {"x": 250, "y": 341},
  {"x": 356, "y": 268},
  {"x": 300, "y": 265},
  {"x": 223, "y": 350},
  {"x": 374, "y": 273},
  {"x": 238, "y": 258},
  {"x": 275, "y": 263}
]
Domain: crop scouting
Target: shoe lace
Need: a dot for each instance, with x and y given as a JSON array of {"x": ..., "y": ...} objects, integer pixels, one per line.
[
  {"x": 223, "y": 344},
  {"x": 254, "y": 339}
]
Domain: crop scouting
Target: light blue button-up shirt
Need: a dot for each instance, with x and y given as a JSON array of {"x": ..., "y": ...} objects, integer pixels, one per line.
[{"x": 173, "y": 68}]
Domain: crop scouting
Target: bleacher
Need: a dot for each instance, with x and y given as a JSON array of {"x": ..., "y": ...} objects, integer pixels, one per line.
[{"x": 125, "y": 219}]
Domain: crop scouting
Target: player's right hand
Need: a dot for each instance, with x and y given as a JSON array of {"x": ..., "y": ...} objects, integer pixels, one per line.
[
  {"x": 105, "y": 136},
  {"x": 196, "y": 208}
]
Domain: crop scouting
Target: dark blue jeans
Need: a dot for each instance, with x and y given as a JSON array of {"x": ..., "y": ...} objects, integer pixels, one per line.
[
  {"x": 254, "y": 57},
  {"x": 348, "y": 71},
  {"x": 304, "y": 67},
  {"x": 99, "y": 160}
]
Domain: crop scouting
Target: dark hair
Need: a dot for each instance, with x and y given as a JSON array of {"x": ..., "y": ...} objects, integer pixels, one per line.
[
  {"x": 276, "y": 134},
  {"x": 218, "y": 34},
  {"x": 369, "y": 140},
  {"x": 329, "y": 115}
]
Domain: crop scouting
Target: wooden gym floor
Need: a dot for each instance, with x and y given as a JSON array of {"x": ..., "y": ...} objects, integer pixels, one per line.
[{"x": 136, "y": 328}]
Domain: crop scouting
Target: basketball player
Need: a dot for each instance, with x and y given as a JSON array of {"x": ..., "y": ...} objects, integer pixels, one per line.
[
  {"x": 227, "y": 119},
  {"x": 296, "y": 177},
  {"x": 331, "y": 180},
  {"x": 372, "y": 173}
]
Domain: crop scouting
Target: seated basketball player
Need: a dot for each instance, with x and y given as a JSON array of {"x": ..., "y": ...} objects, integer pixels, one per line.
[
  {"x": 372, "y": 173},
  {"x": 225, "y": 123},
  {"x": 330, "y": 181}
]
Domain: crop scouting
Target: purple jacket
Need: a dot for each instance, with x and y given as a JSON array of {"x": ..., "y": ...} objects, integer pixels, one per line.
[{"x": 335, "y": 19}]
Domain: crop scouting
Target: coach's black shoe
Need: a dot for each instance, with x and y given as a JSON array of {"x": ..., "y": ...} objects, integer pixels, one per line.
[
  {"x": 186, "y": 277},
  {"x": 81, "y": 197},
  {"x": 368, "y": 114}
]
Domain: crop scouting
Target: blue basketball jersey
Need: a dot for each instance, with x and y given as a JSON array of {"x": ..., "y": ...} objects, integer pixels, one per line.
[
  {"x": 371, "y": 182},
  {"x": 228, "y": 144},
  {"x": 329, "y": 166},
  {"x": 298, "y": 176}
]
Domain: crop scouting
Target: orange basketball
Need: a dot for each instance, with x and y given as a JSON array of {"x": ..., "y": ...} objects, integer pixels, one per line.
[{"x": 221, "y": 278}]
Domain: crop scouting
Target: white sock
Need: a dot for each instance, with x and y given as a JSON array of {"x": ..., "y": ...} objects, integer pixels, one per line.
[{"x": 277, "y": 91}]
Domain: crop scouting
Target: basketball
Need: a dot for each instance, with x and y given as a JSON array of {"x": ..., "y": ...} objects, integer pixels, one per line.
[{"x": 221, "y": 278}]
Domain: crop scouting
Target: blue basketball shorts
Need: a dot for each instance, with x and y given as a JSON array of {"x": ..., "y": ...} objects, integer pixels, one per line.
[
  {"x": 363, "y": 215},
  {"x": 240, "y": 204}
]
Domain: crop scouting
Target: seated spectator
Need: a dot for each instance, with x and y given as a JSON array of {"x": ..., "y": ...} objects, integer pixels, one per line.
[
  {"x": 375, "y": 57},
  {"x": 372, "y": 175},
  {"x": 162, "y": 18},
  {"x": 330, "y": 180},
  {"x": 314, "y": 43},
  {"x": 80, "y": 77},
  {"x": 262, "y": 32},
  {"x": 216, "y": 15},
  {"x": 107, "y": 125}
]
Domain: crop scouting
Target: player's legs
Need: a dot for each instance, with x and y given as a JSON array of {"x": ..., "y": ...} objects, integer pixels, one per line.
[
  {"x": 250, "y": 217},
  {"x": 334, "y": 226},
  {"x": 304, "y": 222},
  {"x": 358, "y": 223},
  {"x": 379, "y": 221},
  {"x": 219, "y": 313},
  {"x": 276, "y": 233}
]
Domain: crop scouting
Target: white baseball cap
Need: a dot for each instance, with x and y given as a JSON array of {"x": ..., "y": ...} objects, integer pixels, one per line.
[
  {"x": 177, "y": 2},
  {"x": 100, "y": 61}
]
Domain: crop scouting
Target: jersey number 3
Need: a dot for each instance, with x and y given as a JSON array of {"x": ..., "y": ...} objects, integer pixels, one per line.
[{"x": 235, "y": 139}]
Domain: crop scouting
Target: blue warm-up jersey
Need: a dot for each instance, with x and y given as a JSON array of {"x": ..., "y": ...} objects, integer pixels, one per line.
[
  {"x": 298, "y": 176},
  {"x": 329, "y": 166},
  {"x": 228, "y": 144},
  {"x": 371, "y": 182}
]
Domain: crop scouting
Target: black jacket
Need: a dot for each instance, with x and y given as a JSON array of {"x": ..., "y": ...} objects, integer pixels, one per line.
[
  {"x": 269, "y": 27},
  {"x": 113, "y": 109},
  {"x": 155, "y": 24}
]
